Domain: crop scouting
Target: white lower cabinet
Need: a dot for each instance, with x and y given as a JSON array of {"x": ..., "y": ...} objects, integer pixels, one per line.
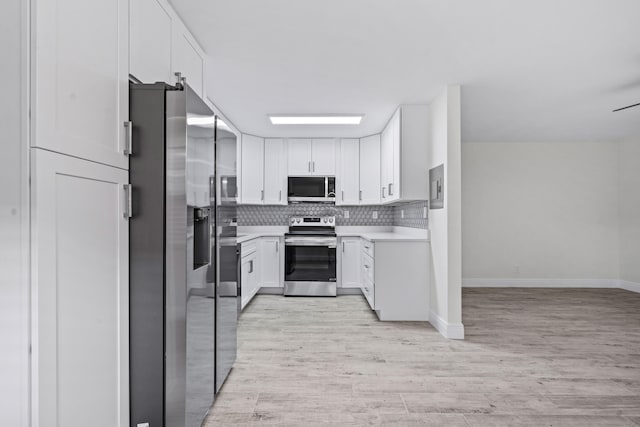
[
  {"x": 350, "y": 262},
  {"x": 249, "y": 276},
  {"x": 367, "y": 272},
  {"x": 270, "y": 261},
  {"x": 396, "y": 278},
  {"x": 80, "y": 292}
]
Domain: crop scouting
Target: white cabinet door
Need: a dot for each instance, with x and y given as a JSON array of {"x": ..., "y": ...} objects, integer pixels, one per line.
[
  {"x": 299, "y": 157},
  {"x": 80, "y": 292},
  {"x": 393, "y": 186},
  {"x": 386, "y": 161},
  {"x": 150, "y": 43},
  {"x": 187, "y": 57},
  {"x": 81, "y": 88},
  {"x": 275, "y": 172},
  {"x": 252, "y": 158},
  {"x": 323, "y": 157},
  {"x": 348, "y": 176},
  {"x": 350, "y": 252},
  {"x": 246, "y": 267},
  {"x": 270, "y": 262},
  {"x": 370, "y": 170}
]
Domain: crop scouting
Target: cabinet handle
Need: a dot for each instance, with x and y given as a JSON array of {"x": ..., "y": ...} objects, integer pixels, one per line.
[
  {"x": 343, "y": 195},
  {"x": 250, "y": 266},
  {"x": 309, "y": 166},
  {"x": 313, "y": 166},
  {"x": 127, "y": 201},
  {"x": 261, "y": 194},
  {"x": 390, "y": 192},
  {"x": 128, "y": 141},
  {"x": 342, "y": 247},
  {"x": 277, "y": 245},
  {"x": 383, "y": 188},
  {"x": 360, "y": 195},
  {"x": 280, "y": 195}
]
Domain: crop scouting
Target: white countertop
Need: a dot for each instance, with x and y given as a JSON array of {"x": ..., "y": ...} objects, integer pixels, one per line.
[{"x": 373, "y": 234}]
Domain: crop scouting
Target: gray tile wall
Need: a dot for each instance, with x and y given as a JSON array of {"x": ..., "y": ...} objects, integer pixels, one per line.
[
  {"x": 279, "y": 215},
  {"x": 413, "y": 215},
  {"x": 358, "y": 215}
]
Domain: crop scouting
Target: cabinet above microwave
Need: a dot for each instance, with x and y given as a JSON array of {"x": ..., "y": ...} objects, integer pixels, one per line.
[{"x": 311, "y": 189}]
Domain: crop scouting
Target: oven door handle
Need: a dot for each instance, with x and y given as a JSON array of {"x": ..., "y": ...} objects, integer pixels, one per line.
[{"x": 331, "y": 242}]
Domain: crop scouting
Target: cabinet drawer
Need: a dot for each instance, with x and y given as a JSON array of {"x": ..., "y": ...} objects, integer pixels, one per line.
[
  {"x": 249, "y": 247},
  {"x": 367, "y": 247},
  {"x": 367, "y": 268},
  {"x": 368, "y": 291}
]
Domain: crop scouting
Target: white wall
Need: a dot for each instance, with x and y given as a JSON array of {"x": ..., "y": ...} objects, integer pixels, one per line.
[
  {"x": 14, "y": 334},
  {"x": 541, "y": 211},
  {"x": 445, "y": 224},
  {"x": 629, "y": 174}
]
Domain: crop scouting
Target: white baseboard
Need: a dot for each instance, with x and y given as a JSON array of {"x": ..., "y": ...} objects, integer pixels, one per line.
[
  {"x": 550, "y": 283},
  {"x": 629, "y": 286},
  {"x": 454, "y": 331}
]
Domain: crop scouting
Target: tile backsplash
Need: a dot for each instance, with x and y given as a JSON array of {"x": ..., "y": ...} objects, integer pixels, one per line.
[
  {"x": 413, "y": 215},
  {"x": 251, "y": 215}
]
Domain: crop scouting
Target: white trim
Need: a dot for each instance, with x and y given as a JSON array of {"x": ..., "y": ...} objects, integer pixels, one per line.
[
  {"x": 550, "y": 283},
  {"x": 453, "y": 331},
  {"x": 629, "y": 286}
]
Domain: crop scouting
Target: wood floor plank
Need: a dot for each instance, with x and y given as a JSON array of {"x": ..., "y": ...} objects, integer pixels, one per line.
[{"x": 531, "y": 357}]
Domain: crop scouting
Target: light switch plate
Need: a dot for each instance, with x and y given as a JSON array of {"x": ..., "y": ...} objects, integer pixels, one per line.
[
  {"x": 346, "y": 214},
  {"x": 374, "y": 215},
  {"x": 402, "y": 213}
]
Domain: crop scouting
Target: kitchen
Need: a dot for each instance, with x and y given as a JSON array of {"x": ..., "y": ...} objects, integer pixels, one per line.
[{"x": 170, "y": 254}]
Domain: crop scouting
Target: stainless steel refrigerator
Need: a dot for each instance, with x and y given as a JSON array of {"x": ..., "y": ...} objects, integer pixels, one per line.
[{"x": 184, "y": 281}]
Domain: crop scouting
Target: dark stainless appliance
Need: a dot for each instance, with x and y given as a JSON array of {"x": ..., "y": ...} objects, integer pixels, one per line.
[
  {"x": 184, "y": 286},
  {"x": 310, "y": 257},
  {"x": 315, "y": 189}
]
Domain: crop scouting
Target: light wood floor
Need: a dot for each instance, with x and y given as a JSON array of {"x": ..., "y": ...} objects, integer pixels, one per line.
[{"x": 534, "y": 357}]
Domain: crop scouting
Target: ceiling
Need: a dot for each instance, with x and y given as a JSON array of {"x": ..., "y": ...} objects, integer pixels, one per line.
[{"x": 543, "y": 70}]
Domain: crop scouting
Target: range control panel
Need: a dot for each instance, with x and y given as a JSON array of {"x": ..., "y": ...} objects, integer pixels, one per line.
[{"x": 314, "y": 221}]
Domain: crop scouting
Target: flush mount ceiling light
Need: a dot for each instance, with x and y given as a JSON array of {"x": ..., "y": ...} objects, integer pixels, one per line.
[{"x": 316, "y": 119}]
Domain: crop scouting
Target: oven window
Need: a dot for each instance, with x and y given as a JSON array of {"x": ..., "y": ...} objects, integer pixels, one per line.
[
  {"x": 307, "y": 186},
  {"x": 310, "y": 264}
]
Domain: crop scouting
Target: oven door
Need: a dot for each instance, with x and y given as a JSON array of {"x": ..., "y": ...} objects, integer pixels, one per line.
[{"x": 310, "y": 266}]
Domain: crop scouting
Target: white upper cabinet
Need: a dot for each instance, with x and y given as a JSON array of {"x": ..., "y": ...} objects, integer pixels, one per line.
[
  {"x": 275, "y": 172},
  {"x": 323, "y": 157},
  {"x": 188, "y": 58},
  {"x": 348, "y": 176},
  {"x": 312, "y": 157},
  {"x": 370, "y": 170},
  {"x": 403, "y": 161},
  {"x": 386, "y": 160},
  {"x": 150, "y": 44},
  {"x": 263, "y": 172},
  {"x": 299, "y": 156},
  {"x": 80, "y": 69},
  {"x": 252, "y": 161}
]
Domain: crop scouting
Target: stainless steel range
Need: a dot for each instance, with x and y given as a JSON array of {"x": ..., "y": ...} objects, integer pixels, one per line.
[{"x": 310, "y": 256}]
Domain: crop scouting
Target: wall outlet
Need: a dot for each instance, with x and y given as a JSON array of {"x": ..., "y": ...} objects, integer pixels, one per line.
[
  {"x": 374, "y": 215},
  {"x": 424, "y": 212},
  {"x": 345, "y": 214},
  {"x": 402, "y": 213}
]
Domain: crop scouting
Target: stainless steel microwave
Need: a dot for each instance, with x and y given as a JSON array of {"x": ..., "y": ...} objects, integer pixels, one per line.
[{"x": 314, "y": 189}]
